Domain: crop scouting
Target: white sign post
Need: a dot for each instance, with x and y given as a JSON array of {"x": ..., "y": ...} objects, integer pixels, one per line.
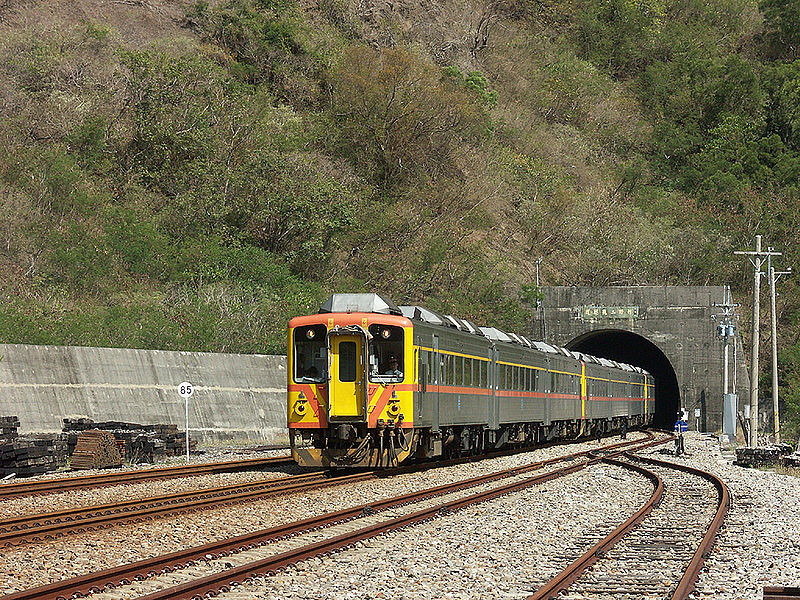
[{"x": 185, "y": 391}]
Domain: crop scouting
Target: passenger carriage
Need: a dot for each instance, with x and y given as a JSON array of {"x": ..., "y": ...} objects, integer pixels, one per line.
[{"x": 455, "y": 388}]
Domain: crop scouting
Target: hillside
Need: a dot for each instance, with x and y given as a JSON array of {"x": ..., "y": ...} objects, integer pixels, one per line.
[{"x": 189, "y": 175}]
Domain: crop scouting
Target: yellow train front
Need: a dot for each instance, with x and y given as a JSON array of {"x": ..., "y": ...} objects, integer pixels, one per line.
[
  {"x": 350, "y": 393},
  {"x": 372, "y": 384}
]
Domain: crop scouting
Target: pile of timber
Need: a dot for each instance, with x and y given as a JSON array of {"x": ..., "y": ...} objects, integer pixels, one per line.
[
  {"x": 24, "y": 457},
  {"x": 138, "y": 443},
  {"x": 96, "y": 449},
  {"x": 8, "y": 427}
]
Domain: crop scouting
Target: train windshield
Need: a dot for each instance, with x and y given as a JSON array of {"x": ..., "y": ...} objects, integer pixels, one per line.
[
  {"x": 386, "y": 354},
  {"x": 310, "y": 354}
]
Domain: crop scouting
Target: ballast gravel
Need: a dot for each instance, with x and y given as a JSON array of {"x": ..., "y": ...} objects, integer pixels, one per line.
[
  {"x": 500, "y": 549},
  {"x": 16, "y": 507},
  {"x": 759, "y": 544},
  {"x": 504, "y": 548},
  {"x": 77, "y": 554}
]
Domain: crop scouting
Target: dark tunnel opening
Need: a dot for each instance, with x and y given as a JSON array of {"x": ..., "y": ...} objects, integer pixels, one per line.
[{"x": 627, "y": 347}]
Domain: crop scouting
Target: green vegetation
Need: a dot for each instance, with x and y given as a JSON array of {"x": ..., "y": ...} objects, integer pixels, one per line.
[{"x": 195, "y": 190}]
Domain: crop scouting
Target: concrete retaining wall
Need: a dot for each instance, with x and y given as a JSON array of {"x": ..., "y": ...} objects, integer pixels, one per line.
[{"x": 237, "y": 397}]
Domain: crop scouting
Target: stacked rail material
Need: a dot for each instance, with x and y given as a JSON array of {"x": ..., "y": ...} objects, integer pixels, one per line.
[
  {"x": 24, "y": 457},
  {"x": 96, "y": 450},
  {"x": 8, "y": 427},
  {"x": 138, "y": 443}
]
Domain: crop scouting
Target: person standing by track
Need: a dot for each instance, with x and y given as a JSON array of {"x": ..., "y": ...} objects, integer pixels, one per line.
[{"x": 680, "y": 427}]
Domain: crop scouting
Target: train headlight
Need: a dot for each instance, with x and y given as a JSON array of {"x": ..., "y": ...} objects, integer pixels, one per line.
[
  {"x": 300, "y": 408},
  {"x": 394, "y": 408},
  {"x": 310, "y": 333},
  {"x": 386, "y": 333}
]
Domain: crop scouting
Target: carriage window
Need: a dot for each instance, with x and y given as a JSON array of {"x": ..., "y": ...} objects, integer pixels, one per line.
[
  {"x": 310, "y": 354},
  {"x": 386, "y": 356},
  {"x": 459, "y": 370}
]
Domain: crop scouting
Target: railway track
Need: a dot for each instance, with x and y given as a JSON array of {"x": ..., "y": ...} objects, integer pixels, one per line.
[
  {"x": 63, "y": 484},
  {"x": 659, "y": 551},
  {"x": 266, "y": 551},
  {"x": 781, "y": 593},
  {"x": 32, "y": 528},
  {"x": 52, "y": 525}
]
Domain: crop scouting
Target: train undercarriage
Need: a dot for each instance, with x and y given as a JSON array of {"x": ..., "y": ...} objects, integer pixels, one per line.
[{"x": 355, "y": 445}]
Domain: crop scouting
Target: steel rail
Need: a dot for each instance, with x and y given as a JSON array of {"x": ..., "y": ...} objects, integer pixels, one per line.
[
  {"x": 781, "y": 593},
  {"x": 54, "y": 525},
  {"x": 72, "y": 515},
  {"x": 221, "y": 582},
  {"x": 212, "y": 584},
  {"x": 569, "y": 575},
  {"x": 61, "y": 484},
  {"x": 46, "y": 526},
  {"x": 122, "y": 574},
  {"x": 687, "y": 583},
  {"x": 141, "y": 569}
]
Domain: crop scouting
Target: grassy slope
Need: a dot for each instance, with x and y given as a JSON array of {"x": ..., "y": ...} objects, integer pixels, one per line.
[{"x": 188, "y": 176}]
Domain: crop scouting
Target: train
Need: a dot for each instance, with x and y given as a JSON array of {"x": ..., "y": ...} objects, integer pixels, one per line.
[{"x": 373, "y": 384}]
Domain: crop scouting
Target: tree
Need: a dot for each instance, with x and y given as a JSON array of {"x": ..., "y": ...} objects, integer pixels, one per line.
[
  {"x": 782, "y": 28},
  {"x": 401, "y": 111}
]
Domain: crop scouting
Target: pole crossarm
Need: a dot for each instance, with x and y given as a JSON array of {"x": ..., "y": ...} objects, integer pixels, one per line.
[
  {"x": 779, "y": 274},
  {"x": 756, "y": 256}
]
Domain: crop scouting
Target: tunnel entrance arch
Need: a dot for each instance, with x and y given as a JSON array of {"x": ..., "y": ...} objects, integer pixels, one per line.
[{"x": 633, "y": 349}]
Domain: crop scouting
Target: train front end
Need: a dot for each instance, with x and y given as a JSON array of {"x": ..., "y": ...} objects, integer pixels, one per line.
[{"x": 351, "y": 384}]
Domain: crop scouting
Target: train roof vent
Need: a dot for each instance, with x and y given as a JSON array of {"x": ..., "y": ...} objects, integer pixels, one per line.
[
  {"x": 526, "y": 341},
  {"x": 363, "y": 303},
  {"x": 455, "y": 322},
  {"x": 605, "y": 362},
  {"x": 471, "y": 328},
  {"x": 494, "y": 334},
  {"x": 545, "y": 347},
  {"x": 422, "y": 314},
  {"x": 514, "y": 338}
]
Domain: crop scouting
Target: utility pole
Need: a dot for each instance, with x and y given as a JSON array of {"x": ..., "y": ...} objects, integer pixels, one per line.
[
  {"x": 726, "y": 329},
  {"x": 756, "y": 259},
  {"x": 773, "y": 277}
]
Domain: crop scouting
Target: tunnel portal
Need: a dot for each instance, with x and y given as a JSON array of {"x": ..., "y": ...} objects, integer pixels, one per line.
[
  {"x": 633, "y": 349},
  {"x": 668, "y": 330}
]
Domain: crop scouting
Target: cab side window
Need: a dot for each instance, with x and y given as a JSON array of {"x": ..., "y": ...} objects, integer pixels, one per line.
[{"x": 386, "y": 353}]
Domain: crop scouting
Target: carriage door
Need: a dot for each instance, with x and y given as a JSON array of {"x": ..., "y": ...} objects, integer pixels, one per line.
[
  {"x": 436, "y": 374},
  {"x": 347, "y": 377}
]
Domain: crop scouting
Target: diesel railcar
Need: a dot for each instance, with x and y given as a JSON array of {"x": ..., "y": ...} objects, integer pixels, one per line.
[{"x": 373, "y": 384}]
